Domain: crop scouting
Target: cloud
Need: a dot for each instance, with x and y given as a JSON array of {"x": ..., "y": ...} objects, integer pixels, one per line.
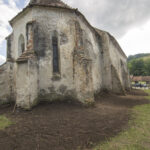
[
  {"x": 26, "y": 2},
  {"x": 115, "y": 16},
  {"x": 2, "y": 59},
  {"x": 7, "y": 10},
  {"x": 137, "y": 40}
]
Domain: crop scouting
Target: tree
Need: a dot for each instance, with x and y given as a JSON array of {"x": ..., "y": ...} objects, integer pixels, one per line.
[
  {"x": 137, "y": 67},
  {"x": 147, "y": 66}
]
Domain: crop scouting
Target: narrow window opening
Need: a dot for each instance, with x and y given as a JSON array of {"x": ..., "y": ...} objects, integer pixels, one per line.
[
  {"x": 21, "y": 45},
  {"x": 28, "y": 31},
  {"x": 55, "y": 54}
]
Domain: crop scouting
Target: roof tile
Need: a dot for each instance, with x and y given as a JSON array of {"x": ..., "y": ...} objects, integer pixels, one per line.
[{"x": 54, "y": 3}]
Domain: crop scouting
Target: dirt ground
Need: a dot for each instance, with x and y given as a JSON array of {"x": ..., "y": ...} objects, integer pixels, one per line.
[{"x": 65, "y": 126}]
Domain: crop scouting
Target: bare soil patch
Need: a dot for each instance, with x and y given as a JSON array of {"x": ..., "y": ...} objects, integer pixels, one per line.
[{"x": 65, "y": 126}]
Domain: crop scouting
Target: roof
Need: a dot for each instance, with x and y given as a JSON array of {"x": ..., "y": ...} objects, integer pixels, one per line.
[
  {"x": 44, "y": 3},
  {"x": 54, "y": 3},
  {"x": 140, "y": 78}
]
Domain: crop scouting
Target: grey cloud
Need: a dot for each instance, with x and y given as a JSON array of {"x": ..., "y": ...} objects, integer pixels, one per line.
[
  {"x": 115, "y": 16},
  {"x": 2, "y": 59}
]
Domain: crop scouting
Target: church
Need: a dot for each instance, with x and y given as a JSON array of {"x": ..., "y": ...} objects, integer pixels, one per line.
[{"x": 55, "y": 54}]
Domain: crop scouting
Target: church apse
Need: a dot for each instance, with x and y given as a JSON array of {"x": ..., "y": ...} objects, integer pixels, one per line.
[{"x": 55, "y": 54}]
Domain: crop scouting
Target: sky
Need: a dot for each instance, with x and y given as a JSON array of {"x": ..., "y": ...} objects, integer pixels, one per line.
[{"x": 127, "y": 20}]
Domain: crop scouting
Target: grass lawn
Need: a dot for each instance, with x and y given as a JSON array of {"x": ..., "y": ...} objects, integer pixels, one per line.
[
  {"x": 137, "y": 137},
  {"x": 4, "y": 122}
]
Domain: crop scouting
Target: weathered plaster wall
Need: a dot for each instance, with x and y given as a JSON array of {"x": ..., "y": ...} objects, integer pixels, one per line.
[
  {"x": 93, "y": 51},
  {"x": 9, "y": 47},
  {"x": 75, "y": 38},
  {"x": 48, "y": 23},
  {"x": 106, "y": 61},
  {"x": 115, "y": 72},
  {"x": 27, "y": 84},
  {"x": 19, "y": 27},
  {"x": 119, "y": 61},
  {"x": 19, "y": 71},
  {"x": 7, "y": 93}
]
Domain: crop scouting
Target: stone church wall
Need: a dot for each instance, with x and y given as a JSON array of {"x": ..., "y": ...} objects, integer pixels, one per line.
[
  {"x": 89, "y": 59},
  {"x": 119, "y": 61},
  {"x": 19, "y": 28},
  {"x": 27, "y": 84},
  {"x": 77, "y": 46},
  {"x": 115, "y": 73},
  {"x": 7, "y": 93}
]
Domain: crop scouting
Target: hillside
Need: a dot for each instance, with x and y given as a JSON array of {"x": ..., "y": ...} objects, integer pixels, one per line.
[
  {"x": 139, "y": 56},
  {"x": 139, "y": 64}
]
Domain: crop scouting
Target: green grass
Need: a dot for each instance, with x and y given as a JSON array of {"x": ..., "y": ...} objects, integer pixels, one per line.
[
  {"x": 148, "y": 92},
  {"x": 4, "y": 122},
  {"x": 137, "y": 137}
]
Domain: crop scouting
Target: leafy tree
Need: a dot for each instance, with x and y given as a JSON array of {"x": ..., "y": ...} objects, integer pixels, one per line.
[
  {"x": 139, "y": 64},
  {"x": 147, "y": 66},
  {"x": 137, "y": 67}
]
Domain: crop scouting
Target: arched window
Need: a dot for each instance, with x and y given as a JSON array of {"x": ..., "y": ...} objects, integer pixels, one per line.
[
  {"x": 55, "y": 54},
  {"x": 21, "y": 45}
]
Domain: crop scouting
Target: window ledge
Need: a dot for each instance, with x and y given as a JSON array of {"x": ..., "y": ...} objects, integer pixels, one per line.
[{"x": 56, "y": 77}]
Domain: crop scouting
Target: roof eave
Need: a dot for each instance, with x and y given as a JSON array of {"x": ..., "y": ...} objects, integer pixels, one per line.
[
  {"x": 32, "y": 5},
  {"x": 66, "y": 8},
  {"x": 20, "y": 13}
]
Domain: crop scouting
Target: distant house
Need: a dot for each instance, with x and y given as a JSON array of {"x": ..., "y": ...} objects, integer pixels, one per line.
[{"x": 137, "y": 79}]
